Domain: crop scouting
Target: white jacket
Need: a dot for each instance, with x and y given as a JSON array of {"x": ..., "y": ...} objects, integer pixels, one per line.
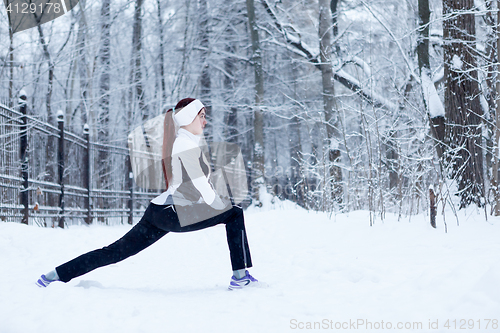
[{"x": 187, "y": 155}]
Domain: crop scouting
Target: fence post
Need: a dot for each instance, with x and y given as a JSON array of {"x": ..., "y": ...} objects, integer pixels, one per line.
[
  {"x": 131, "y": 188},
  {"x": 86, "y": 173},
  {"x": 60, "y": 164},
  {"x": 24, "y": 194}
]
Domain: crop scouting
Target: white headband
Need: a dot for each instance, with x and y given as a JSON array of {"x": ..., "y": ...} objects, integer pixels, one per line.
[{"x": 186, "y": 115}]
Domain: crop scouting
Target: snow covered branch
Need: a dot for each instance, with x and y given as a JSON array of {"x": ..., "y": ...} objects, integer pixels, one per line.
[{"x": 339, "y": 75}]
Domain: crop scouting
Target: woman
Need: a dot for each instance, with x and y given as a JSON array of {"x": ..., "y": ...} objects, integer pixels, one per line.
[{"x": 190, "y": 203}]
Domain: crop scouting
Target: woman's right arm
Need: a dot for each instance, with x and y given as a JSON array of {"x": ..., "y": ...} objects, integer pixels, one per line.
[{"x": 190, "y": 159}]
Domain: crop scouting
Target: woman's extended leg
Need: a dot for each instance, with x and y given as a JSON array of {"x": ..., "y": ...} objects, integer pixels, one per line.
[
  {"x": 233, "y": 218},
  {"x": 237, "y": 240},
  {"x": 137, "y": 239}
]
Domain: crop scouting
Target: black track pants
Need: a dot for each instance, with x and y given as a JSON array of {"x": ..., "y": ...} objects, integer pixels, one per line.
[{"x": 156, "y": 223}]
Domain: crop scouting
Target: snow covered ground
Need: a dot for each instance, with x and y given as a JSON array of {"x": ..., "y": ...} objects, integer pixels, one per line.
[{"x": 319, "y": 273}]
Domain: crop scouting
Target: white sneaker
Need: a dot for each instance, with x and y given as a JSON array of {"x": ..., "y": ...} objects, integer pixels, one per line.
[
  {"x": 43, "y": 281},
  {"x": 245, "y": 281}
]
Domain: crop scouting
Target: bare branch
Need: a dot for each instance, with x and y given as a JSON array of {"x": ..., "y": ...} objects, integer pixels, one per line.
[{"x": 339, "y": 75}]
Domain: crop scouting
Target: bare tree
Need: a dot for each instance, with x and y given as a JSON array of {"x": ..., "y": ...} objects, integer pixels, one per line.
[
  {"x": 137, "y": 92},
  {"x": 494, "y": 104},
  {"x": 161, "y": 54},
  {"x": 11, "y": 61},
  {"x": 258, "y": 128},
  {"x": 205, "y": 82},
  {"x": 435, "y": 112},
  {"x": 462, "y": 106},
  {"x": 102, "y": 126},
  {"x": 329, "y": 106},
  {"x": 231, "y": 116},
  {"x": 82, "y": 63},
  {"x": 105, "y": 67},
  {"x": 334, "y": 5}
]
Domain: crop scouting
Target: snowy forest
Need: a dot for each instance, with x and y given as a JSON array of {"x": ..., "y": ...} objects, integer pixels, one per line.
[{"x": 337, "y": 105}]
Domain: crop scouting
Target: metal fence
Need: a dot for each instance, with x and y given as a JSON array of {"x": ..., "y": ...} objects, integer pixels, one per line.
[{"x": 49, "y": 176}]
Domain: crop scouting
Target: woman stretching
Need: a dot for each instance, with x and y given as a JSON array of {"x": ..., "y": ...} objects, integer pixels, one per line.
[{"x": 190, "y": 203}]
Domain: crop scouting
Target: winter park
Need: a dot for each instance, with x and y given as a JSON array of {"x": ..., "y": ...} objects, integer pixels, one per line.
[{"x": 249, "y": 166}]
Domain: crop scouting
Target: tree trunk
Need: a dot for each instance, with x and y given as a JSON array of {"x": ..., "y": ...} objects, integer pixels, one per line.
[
  {"x": 496, "y": 153},
  {"x": 258, "y": 151},
  {"x": 137, "y": 93},
  {"x": 46, "y": 53},
  {"x": 11, "y": 67},
  {"x": 231, "y": 122},
  {"x": 329, "y": 101},
  {"x": 104, "y": 82},
  {"x": 462, "y": 107},
  {"x": 489, "y": 93},
  {"x": 82, "y": 63},
  {"x": 295, "y": 159},
  {"x": 205, "y": 83},
  {"x": 161, "y": 56},
  {"x": 436, "y": 119},
  {"x": 335, "y": 29},
  {"x": 50, "y": 163},
  {"x": 392, "y": 156},
  {"x": 432, "y": 197},
  {"x": 424, "y": 14},
  {"x": 104, "y": 87}
]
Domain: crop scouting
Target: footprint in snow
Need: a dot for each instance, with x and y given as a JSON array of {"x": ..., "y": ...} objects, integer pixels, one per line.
[{"x": 88, "y": 284}]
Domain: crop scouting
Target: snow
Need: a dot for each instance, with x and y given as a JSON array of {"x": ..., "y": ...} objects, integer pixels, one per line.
[
  {"x": 363, "y": 64},
  {"x": 314, "y": 269},
  {"x": 434, "y": 104},
  {"x": 438, "y": 75},
  {"x": 484, "y": 104},
  {"x": 456, "y": 62}
]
